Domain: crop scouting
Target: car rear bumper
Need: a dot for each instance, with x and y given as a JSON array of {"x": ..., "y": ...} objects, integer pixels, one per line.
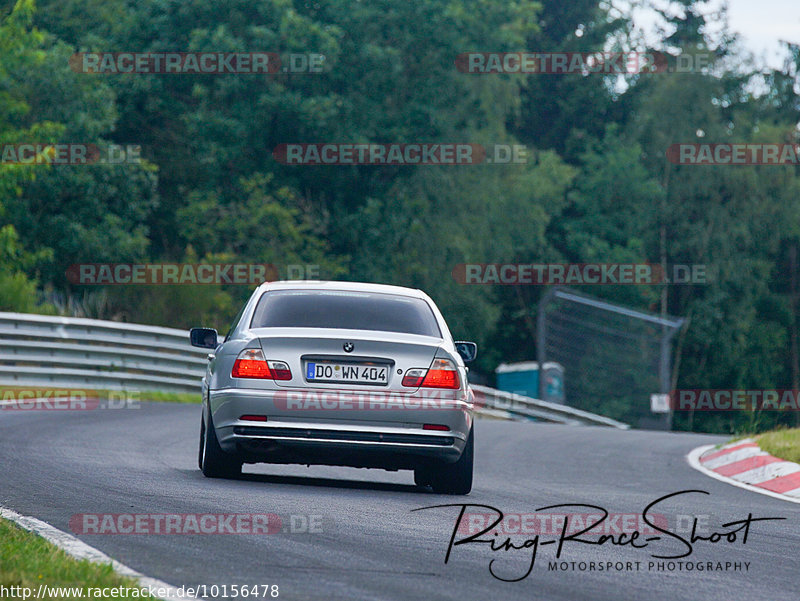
[{"x": 360, "y": 435}]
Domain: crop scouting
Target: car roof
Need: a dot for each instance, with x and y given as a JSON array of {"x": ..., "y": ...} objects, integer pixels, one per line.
[{"x": 343, "y": 286}]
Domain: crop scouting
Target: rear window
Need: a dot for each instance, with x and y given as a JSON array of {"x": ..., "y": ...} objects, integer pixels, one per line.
[{"x": 341, "y": 309}]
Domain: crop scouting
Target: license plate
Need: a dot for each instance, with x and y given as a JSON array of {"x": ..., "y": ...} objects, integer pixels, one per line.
[{"x": 347, "y": 373}]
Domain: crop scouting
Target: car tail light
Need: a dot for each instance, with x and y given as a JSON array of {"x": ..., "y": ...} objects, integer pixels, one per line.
[
  {"x": 441, "y": 374},
  {"x": 440, "y": 427},
  {"x": 280, "y": 370},
  {"x": 251, "y": 364},
  {"x": 254, "y": 418},
  {"x": 414, "y": 377}
]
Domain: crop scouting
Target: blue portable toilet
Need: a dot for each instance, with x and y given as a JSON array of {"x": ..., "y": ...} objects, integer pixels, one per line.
[
  {"x": 523, "y": 378},
  {"x": 553, "y": 375},
  {"x": 519, "y": 378}
]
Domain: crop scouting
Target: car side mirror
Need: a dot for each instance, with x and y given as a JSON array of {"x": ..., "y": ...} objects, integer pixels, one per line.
[
  {"x": 467, "y": 350},
  {"x": 203, "y": 337}
]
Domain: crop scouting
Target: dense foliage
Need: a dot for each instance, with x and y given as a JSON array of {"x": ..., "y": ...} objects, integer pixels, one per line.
[{"x": 596, "y": 187}]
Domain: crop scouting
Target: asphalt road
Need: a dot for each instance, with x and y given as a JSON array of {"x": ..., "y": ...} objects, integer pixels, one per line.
[{"x": 54, "y": 465}]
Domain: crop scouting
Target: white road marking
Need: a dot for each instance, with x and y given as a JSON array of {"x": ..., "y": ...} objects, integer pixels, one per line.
[
  {"x": 768, "y": 472},
  {"x": 733, "y": 457},
  {"x": 694, "y": 460},
  {"x": 80, "y": 550}
]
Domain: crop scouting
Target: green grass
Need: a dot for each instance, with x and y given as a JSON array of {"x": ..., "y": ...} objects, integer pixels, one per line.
[
  {"x": 781, "y": 443},
  {"x": 138, "y": 395},
  {"x": 171, "y": 397},
  {"x": 28, "y": 560},
  {"x": 736, "y": 438}
]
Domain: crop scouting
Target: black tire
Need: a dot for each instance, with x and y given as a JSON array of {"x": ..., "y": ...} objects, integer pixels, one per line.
[
  {"x": 202, "y": 441},
  {"x": 422, "y": 476},
  {"x": 455, "y": 478},
  {"x": 214, "y": 462}
]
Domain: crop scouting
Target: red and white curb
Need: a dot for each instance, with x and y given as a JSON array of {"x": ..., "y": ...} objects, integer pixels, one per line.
[
  {"x": 744, "y": 464},
  {"x": 80, "y": 550}
]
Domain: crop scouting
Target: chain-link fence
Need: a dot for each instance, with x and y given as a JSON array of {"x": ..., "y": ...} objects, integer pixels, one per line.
[{"x": 614, "y": 357}]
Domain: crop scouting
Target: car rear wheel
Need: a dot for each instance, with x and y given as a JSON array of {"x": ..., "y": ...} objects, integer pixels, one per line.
[
  {"x": 452, "y": 478},
  {"x": 422, "y": 476},
  {"x": 214, "y": 462}
]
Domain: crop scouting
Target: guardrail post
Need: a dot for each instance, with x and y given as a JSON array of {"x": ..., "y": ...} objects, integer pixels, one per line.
[{"x": 541, "y": 336}]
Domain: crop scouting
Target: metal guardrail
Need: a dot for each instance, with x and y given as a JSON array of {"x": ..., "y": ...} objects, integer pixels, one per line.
[
  {"x": 52, "y": 351},
  {"x": 506, "y": 405},
  {"x": 45, "y": 350}
]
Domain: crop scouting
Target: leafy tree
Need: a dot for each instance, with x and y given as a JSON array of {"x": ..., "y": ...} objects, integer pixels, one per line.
[
  {"x": 562, "y": 112},
  {"x": 18, "y": 49}
]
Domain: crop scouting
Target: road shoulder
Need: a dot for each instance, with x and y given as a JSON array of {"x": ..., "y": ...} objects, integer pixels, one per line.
[
  {"x": 79, "y": 550},
  {"x": 742, "y": 463}
]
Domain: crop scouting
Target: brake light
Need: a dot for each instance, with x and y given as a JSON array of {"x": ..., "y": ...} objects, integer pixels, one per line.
[
  {"x": 442, "y": 374},
  {"x": 439, "y": 427},
  {"x": 279, "y": 370},
  {"x": 251, "y": 364},
  {"x": 414, "y": 377}
]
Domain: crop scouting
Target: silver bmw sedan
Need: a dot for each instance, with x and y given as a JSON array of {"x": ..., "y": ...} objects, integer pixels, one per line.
[{"x": 339, "y": 373}]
